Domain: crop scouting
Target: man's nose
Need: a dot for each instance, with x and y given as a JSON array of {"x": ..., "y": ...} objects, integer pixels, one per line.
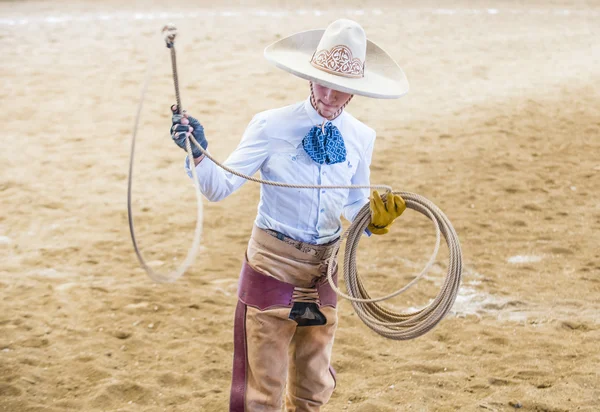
[{"x": 330, "y": 95}]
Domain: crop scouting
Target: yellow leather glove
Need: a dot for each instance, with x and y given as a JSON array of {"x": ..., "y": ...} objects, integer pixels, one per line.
[{"x": 383, "y": 214}]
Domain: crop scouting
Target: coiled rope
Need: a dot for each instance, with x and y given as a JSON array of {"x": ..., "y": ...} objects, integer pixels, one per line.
[{"x": 390, "y": 324}]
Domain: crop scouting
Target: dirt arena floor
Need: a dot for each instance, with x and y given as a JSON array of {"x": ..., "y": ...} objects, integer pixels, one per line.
[{"x": 501, "y": 129}]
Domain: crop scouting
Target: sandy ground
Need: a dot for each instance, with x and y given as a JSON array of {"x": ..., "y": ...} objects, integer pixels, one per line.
[{"x": 501, "y": 129}]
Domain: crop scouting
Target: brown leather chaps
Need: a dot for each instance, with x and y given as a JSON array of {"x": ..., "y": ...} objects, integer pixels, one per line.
[{"x": 275, "y": 357}]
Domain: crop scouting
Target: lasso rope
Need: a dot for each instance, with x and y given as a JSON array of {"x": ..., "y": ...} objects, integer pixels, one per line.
[
  {"x": 393, "y": 325},
  {"x": 170, "y": 33}
]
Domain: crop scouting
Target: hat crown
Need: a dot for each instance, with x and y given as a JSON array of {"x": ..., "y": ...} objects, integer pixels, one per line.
[{"x": 342, "y": 49}]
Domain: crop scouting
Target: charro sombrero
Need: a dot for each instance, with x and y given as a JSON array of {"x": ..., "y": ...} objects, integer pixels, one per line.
[{"x": 341, "y": 58}]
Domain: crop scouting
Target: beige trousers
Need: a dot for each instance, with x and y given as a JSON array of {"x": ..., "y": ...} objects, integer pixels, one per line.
[{"x": 278, "y": 350}]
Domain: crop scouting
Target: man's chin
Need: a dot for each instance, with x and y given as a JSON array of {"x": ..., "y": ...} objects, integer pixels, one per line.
[{"x": 326, "y": 112}]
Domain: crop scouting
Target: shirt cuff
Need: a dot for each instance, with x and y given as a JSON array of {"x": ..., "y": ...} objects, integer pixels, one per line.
[{"x": 188, "y": 169}]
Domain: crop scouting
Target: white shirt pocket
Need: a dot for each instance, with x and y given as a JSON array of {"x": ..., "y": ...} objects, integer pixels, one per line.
[{"x": 340, "y": 174}]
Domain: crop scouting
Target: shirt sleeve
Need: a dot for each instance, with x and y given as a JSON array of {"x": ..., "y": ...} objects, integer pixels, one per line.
[
  {"x": 357, "y": 198},
  {"x": 215, "y": 183}
]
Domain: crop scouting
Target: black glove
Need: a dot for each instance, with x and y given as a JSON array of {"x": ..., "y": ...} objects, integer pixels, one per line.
[{"x": 182, "y": 126}]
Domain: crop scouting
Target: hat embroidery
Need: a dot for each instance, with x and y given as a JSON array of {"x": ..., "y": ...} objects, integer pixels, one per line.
[{"x": 338, "y": 61}]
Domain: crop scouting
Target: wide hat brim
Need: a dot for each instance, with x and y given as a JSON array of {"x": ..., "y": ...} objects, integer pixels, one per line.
[{"x": 383, "y": 78}]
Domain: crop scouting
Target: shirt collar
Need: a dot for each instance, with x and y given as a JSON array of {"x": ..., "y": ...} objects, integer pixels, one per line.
[{"x": 316, "y": 118}]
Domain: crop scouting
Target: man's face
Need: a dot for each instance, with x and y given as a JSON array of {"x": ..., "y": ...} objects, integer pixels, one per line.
[{"x": 328, "y": 101}]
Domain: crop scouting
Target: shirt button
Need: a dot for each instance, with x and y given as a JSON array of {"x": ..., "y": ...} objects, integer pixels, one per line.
[
  {"x": 324, "y": 173},
  {"x": 293, "y": 157},
  {"x": 322, "y": 191},
  {"x": 322, "y": 210}
]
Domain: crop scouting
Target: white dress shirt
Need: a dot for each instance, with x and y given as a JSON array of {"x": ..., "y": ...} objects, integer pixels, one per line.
[{"x": 272, "y": 143}]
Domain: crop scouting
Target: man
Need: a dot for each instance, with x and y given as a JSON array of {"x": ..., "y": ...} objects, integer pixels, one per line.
[{"x": 286, "y": 315}]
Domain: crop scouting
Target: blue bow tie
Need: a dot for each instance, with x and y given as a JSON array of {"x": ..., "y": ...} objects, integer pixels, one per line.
[{"x": 324, "y": 144}]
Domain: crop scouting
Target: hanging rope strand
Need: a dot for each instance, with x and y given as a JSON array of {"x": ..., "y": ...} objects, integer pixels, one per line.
[{"x": 392, "y": 325}]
